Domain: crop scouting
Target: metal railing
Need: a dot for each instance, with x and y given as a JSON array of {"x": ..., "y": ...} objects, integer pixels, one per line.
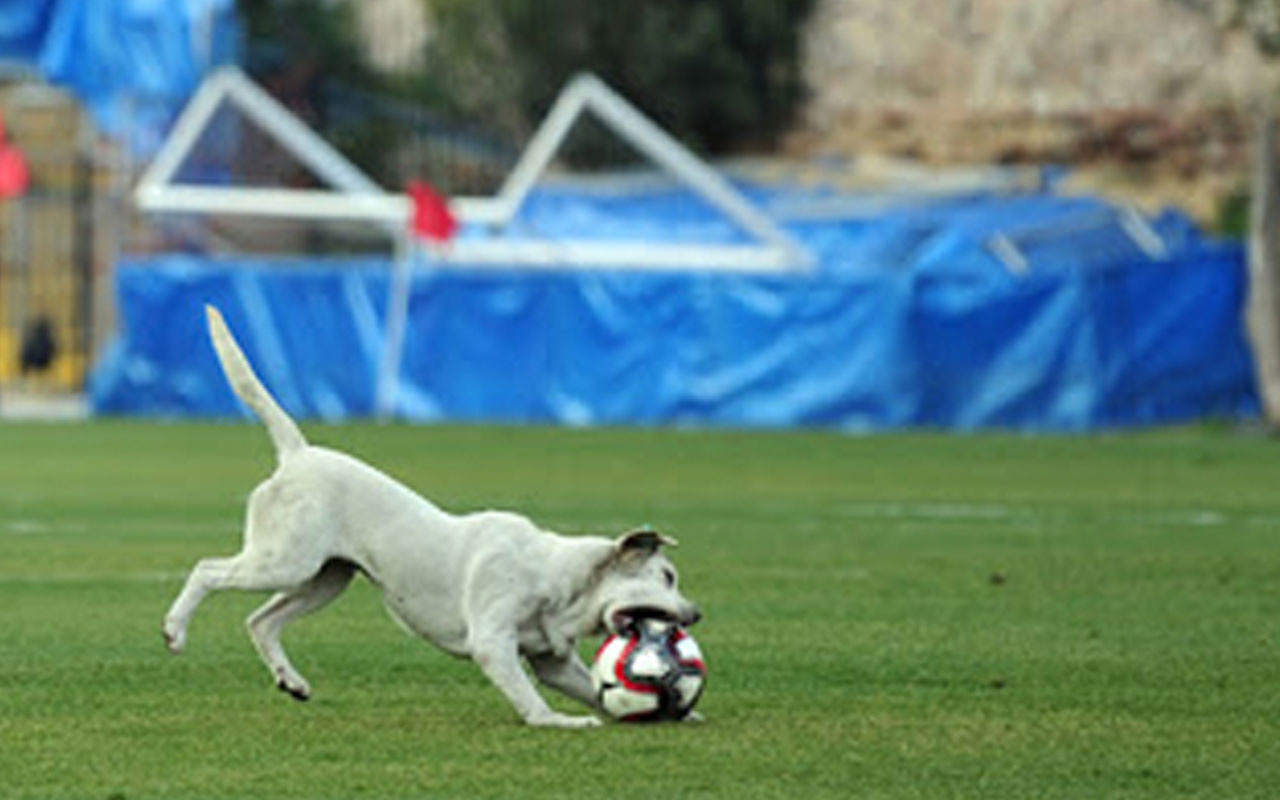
[{"x": 53, "y": 248}]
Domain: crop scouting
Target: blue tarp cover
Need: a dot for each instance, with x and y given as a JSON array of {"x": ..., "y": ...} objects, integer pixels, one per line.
[
  {"x": 133, "y": 63},
  {"x": 909, "y": 320}
]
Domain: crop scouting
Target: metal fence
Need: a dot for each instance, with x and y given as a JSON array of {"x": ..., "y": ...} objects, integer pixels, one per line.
[{"x": 53, "y": 247}]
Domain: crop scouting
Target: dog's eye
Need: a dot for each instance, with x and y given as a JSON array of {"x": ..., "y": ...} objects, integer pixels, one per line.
[{"x": 669, "y": 576}]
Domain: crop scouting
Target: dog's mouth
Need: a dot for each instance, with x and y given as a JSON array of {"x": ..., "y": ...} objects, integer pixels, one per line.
[{"x": 621, "y": 620}]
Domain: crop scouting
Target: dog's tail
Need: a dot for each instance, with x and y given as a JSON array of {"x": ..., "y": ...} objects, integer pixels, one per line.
[{"x": 283, "y": 430}]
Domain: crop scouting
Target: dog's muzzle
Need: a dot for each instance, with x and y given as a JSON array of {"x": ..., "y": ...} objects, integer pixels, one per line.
[{"x": 623, "y": 619}]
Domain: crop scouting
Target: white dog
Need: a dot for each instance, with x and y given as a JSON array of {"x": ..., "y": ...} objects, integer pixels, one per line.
[{"x": 491, "y": 586}]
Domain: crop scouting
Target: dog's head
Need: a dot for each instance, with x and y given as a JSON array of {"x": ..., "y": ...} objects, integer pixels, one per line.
[{"x": 637, "y": 580}]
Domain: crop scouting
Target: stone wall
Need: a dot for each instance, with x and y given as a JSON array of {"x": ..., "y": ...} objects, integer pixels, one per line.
[{"x": 1156, "y": 89}]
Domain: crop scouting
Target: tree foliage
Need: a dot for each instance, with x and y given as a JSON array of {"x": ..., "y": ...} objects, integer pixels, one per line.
[
  {"x": 721, "y": 74},
  {"x": 1261, "y": 18}
]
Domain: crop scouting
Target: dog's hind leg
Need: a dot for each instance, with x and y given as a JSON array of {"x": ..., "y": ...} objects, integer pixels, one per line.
[
  {"x": 208, "y": 574},
  {"x": 266, "y": 624},
  {"x": 250, "y": 570}
]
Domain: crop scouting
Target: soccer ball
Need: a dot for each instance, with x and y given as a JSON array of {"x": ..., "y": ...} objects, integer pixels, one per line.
[{"x": 653, "y": 672}]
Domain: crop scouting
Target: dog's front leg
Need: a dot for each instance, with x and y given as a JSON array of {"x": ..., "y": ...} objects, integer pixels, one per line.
[
  {"x": 566, "y": 673},
  {"x": 499, "y": 658}
]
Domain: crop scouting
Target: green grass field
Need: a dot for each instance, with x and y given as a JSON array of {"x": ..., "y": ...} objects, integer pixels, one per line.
[{"x": 906, "y": 616}]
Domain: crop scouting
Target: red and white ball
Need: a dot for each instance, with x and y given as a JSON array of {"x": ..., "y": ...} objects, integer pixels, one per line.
[{"x": 654, "y": 672}]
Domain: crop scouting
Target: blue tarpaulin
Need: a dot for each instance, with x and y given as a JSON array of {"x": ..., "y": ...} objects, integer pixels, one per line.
[
  {"x": 133, "y": 63},
  {"x": 910, "y": 319}
]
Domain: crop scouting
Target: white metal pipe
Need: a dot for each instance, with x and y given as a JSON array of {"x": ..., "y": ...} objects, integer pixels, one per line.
[
  {"x": 587, "y": 92},
  {"x": 286, "y": 203},
  {"x": 157, "y": 192},
  {"x": 544, "y": 144},
  {"x": 387, "y": 388},
  {"x": 1009, "y": 253},
  {"x": 615, "y": 255},
  {"x": 677, "y": 159},
  {"x": 1143, "y": 233},
  {"x": 299, "y": 139},
  {"x": 190, "y": 124}
]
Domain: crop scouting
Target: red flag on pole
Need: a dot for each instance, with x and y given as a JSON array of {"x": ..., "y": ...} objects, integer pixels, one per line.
[
  {"x": 432, "y": 218},
  {"x": 14, "y": 177}
]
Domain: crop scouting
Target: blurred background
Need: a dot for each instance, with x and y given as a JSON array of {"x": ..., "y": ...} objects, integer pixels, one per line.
[{"x": 997, "y": 167}]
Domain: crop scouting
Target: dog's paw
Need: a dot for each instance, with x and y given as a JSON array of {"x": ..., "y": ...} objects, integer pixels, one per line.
[
  {"x": 174, "y": 637},
  {"x": 298, "y": 690},
  {"x": 693, "y": 716},
  {"x": 554, "y": 720}
]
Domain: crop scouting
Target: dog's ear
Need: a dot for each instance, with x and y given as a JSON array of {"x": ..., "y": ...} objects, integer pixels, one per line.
[{"x": 644, "y": 541}]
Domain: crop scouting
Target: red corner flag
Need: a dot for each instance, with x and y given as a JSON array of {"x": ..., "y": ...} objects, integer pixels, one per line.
[
  {"x": 432, "y": 218},
  {"x": 13, "y": 168}
]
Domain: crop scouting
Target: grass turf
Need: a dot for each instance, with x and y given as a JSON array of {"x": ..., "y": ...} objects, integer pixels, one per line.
[{"x": 915, "y": 616}]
